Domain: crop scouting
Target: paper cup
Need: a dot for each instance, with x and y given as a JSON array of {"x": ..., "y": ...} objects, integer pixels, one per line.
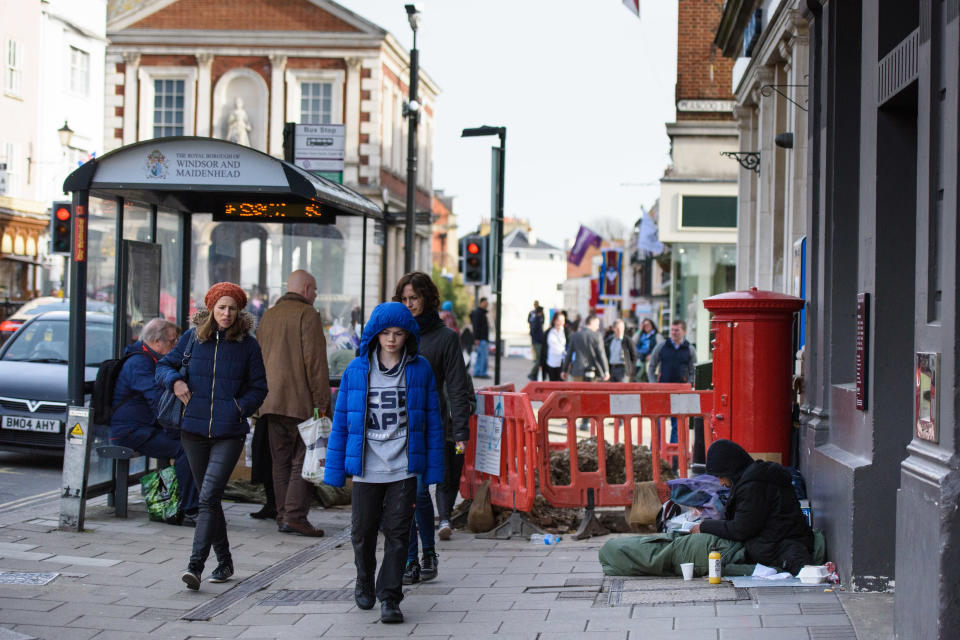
[{"x": 687, "y": 569}]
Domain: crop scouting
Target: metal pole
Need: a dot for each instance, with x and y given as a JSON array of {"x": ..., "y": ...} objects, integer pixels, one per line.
[
  {"x": 414, "y": 117},
  {"x": 363, "y": 275},
  {"x": 499, "y": 239},
  {"x": 78, "y": 300}
]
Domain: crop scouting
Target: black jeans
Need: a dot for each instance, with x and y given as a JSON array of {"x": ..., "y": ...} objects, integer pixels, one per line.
[
  {"x": 448, "y": 489},
  {"x": 211, "y": 461},
  {"x": 553, "y": 373},
  {"x": 387, "y": 507}
]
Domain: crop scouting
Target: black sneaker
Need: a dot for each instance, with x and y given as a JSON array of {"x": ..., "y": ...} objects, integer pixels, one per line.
[
  {"x": 390, "y": 613},
  {"x": 191, "y": 578},
  {"x": 363, "y": 595},
  {"x": 222, "y": 573},
  {"x": 429, "y": 566},
  {"x": 411, "y": 575},
  {"x": 267, "y": 512}
]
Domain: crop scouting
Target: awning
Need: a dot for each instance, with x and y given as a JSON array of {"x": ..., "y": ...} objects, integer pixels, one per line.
[{"x": 206, "y": 175}]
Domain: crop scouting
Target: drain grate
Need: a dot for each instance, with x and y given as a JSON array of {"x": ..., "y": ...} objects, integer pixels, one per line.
[
  {"x": 265, "y": 578},
  {"x": 820, "y": 608},
  {"x": 290, "y": 597},
  {"x": 23, "y": 577},
  {"x": 621, "y": 592},
  {"x": 832, "y": 633}
]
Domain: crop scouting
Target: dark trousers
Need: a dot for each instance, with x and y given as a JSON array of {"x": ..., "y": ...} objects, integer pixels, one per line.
[
  {"x": 422, "y": 522},
  {"x": 537, "y": 348},
  {"x": 618, "y": 373},
  {"x": 553, "y": 373},
  {"x": 157, "y": 443},
  {"x": 387, "y": 507},
  {"x": 448, "y": 489},
  {"x": 212, "y": 461},
  {"x": 293, "y": 494}
]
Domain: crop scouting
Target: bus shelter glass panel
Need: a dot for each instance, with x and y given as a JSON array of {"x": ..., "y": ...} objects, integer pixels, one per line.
[
  {"x": 136, "y": 222},
  {"x": 168, "y": 236},
  {"x": 260, "y": 256}
]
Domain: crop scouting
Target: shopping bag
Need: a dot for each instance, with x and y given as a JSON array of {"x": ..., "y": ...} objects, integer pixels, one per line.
[
  {"x": 162, "y": 495},
  {"x": 315, "y": 432}
]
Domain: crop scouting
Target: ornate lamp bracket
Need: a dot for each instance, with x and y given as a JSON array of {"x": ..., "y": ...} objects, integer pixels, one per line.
[
  {"x": 747, "y": 159},
  {"x": 767, "y": 90}
]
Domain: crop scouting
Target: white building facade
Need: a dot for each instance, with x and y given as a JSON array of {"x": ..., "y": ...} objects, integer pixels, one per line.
[{"x": 532, "y": 270}]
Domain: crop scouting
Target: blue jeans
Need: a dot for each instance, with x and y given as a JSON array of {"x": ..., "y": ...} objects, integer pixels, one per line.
[
  {"x": 673, "y": 430},
  {"x": 157, "y": 443},
  {"x": 483, "y": 352},
  {"x": 212, "y": 461},
  {"x": 422, "y": 521}
]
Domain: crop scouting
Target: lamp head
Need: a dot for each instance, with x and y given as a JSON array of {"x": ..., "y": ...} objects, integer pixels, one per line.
[
  {"x": 413, "y": 15},
  {"x": 66, "y": 134},
  {"x": 485, "y": 130}
]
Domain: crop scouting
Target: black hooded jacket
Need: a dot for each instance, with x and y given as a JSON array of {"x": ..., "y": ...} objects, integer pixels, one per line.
[
  {"x": 763, "y": 511},
  {"x": 440, "y": 345}
]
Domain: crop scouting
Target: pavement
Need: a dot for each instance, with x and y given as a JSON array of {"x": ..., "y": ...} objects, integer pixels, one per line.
[{"x": 120, "y": 578}]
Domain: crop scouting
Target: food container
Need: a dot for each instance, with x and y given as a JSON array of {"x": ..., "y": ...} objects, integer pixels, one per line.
[{"x": 812, "y": 574}]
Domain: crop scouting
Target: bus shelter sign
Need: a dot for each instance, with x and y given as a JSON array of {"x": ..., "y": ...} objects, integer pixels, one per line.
[{"x": 186, "y": 163}]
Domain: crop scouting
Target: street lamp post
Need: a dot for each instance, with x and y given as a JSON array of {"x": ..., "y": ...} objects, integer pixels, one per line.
[
  {"x": 412, "y": 112},
  {"x": 487, "y": 130}
]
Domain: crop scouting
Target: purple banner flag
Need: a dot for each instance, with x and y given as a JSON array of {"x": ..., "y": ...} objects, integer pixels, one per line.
[{"x": 585, "y": 238}]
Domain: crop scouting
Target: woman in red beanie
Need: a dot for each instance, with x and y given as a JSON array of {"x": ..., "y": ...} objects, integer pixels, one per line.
[{"x": 224, "y": 384}]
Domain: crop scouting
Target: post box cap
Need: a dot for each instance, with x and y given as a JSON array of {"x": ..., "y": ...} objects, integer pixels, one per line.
[{"x": 753, "y": 299}]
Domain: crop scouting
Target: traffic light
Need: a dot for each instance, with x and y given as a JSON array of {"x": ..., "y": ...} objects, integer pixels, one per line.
[
  {"x": 61, "y": 227},
  {"x": 474, "y": 257}
]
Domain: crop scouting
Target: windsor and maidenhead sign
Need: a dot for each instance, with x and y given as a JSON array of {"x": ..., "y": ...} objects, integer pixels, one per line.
[{"x": 179, "y": 163}]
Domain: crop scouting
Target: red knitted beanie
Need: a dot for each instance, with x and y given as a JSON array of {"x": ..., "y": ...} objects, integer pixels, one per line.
[{"x": 221, "y": 289}]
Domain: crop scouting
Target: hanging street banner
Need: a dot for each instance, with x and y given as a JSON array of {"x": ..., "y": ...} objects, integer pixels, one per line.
[
  {"x": 320, "y": 149},
  {"x": 611, "y": 285}
]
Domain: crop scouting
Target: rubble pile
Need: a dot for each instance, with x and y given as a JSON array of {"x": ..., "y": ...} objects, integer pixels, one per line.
[{"x": 616, "y": 463}]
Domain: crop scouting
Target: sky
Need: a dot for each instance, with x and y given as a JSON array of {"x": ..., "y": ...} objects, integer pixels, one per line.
[{"x": 583, "y": 87}]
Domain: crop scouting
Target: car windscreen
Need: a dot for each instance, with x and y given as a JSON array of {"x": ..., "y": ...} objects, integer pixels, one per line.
[
  {"x": 48, "y": 341},
  {"x": 47, "y": 306}
]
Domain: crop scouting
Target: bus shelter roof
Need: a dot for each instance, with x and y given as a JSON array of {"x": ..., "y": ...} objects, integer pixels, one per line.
[{"x": 206, "y": 175}]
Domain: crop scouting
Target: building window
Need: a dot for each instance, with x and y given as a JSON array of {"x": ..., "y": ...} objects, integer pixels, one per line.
[
  {"x": 716, "y": 212},
  {"x": 13, "y": 75},
  {"x": 316, "y": 103},
  {"x": 168, "y": 108},
  {"x": 79, "y": 71},
  {"x": 9, "y": 159}
]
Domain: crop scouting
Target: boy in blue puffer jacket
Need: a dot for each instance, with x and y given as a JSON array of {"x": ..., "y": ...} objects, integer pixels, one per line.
[{"x": 386, "y": 430}]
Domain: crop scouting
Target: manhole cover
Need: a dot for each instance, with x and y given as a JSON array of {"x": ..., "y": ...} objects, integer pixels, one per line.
[
  {"x": 622, "y": 592},
  {"x": 289, "y": 597},
  {"x": 22, "y": 577}
]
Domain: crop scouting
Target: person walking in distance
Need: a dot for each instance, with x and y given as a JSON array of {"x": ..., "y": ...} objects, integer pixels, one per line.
[
  {"x": 620, "y": 352},
  {"x": 226, "y": 383},
  {"x": 481, "y": 336},
  {"x": 441, "y": 347},
  {"x": 535, "y": 321},
  {"x": 648, "y": 337},
  {"x": 295, "y": 356},
  {"x": 587, "y": 360},
  {"x": 555, "y": 347},
  {"x": 673, "y": 360},
  {"x": 386, "y": 430}
]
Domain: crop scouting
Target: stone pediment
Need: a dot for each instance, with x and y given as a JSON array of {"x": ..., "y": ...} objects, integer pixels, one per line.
[{"x": 237, "y": 15}]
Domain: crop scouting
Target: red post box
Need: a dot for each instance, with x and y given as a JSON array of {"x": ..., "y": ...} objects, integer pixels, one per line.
[{"x": 752, "y": 343}]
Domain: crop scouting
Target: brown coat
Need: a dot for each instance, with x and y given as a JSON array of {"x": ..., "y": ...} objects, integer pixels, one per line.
[{"x": 295, "y": 355}]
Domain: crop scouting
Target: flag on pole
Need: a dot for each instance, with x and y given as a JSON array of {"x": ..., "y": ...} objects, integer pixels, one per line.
[
  {"x": 585, "y": 238},
  {"x": 648, "y": 238},
  {"x": 633, "y": 6}
]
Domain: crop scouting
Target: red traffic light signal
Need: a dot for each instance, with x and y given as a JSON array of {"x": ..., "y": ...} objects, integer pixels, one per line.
[
  {"x": 473, "y": 248},
  {"x": 473, "y": 265},
  {"x": 61, "y": 227}
]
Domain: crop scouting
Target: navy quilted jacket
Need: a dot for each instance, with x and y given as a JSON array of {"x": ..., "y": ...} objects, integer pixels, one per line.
[
  {"x": 425, "y": 440},
  {"x": 227, "y": 380},
  {"x": 136, "y": 392}
]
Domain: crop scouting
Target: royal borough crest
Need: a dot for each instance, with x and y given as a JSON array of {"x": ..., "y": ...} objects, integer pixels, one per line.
[{"x": 156, "y": 165}]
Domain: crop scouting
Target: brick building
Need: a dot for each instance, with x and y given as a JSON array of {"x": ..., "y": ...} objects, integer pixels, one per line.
[
  {"x": 698, "y": 192},
  {"x": 240, "y": 70}
]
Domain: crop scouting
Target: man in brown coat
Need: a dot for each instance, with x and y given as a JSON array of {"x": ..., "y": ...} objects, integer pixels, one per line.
[{"x": 295, "y": 356}]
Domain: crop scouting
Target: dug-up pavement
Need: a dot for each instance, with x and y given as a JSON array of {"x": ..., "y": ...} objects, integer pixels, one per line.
[{"x": 120, "y": 579}]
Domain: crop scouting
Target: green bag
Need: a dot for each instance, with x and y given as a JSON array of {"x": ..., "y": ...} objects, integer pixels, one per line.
[{"x": 160, "y": 492}]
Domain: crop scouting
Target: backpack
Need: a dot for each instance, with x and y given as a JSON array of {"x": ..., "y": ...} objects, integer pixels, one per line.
[{"x": 102, "y": 401}]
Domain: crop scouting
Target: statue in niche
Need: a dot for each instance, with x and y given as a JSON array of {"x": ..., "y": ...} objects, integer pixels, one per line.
[{"x": 238, "y": 124}]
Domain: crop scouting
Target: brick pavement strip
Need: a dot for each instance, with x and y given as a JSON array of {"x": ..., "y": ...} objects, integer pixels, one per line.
[{"x": 60, "y": 633}]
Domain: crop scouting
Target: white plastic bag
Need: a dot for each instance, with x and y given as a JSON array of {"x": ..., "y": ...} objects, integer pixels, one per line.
[{"x": 315, "y": 432}]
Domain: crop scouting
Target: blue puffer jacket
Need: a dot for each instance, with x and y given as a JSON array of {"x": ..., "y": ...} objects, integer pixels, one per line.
[
  {"x": 136, "y": 392},
  {"x": 425, "y": 440},
  {"x": 227, "y": 380}
]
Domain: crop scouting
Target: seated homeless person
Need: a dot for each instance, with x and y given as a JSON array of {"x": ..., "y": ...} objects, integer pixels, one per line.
[
  {"x": 134, "y": 422},
  {"x": 386, "y": 430},
  {"x": 762, "y": 512}
]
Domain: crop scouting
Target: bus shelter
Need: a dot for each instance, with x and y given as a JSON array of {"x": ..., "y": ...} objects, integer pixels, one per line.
[{"x": 156, "y": 222}]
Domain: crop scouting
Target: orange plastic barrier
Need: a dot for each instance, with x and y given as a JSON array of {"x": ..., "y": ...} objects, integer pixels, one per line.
[
  {"x": 538, "y": 391},
  {"x": 627, "y": 410},
  {"x": 515, "y": 486}
]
